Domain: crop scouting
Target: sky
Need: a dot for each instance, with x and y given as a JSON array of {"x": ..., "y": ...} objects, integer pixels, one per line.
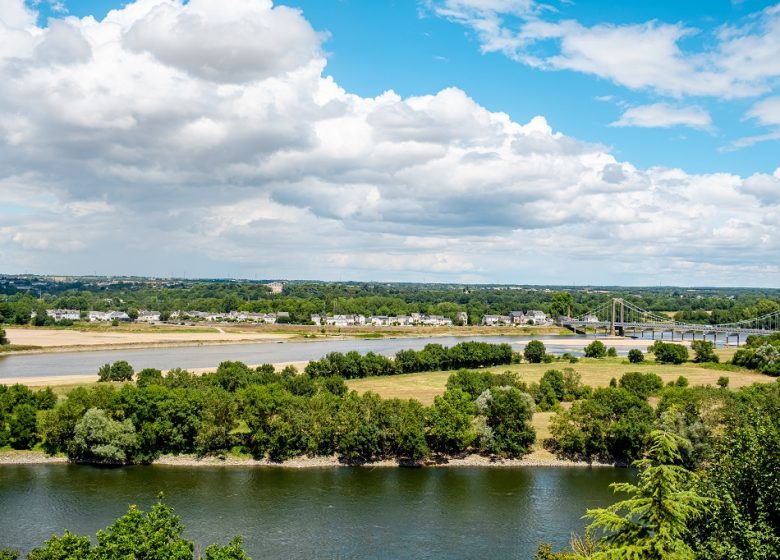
[{"x": 474, "y": 141}]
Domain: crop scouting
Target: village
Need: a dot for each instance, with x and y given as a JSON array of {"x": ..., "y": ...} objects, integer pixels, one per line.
[{"x": 533, "y": 317}]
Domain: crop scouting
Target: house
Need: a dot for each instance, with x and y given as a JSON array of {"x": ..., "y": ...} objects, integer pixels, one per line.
[
  {"x": 275, "y": 287},
  {"x": 536, "y": 317},
  {"x": 316, "y": 319},
  {"x": 494, "y": 320},
  {"x": 60, "y": 314},
  {"x": 146, "y": 316},
  {"x": 590, "y": 318},
  {"x": 463, "y": 317},
  {"x": 379, "y": 320},
  {"x": 345, "y": 320},
  {"x": 517, "y": 318}
]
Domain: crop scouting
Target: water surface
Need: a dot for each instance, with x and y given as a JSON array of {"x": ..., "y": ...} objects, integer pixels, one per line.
[{"x": 343, "y": 513}]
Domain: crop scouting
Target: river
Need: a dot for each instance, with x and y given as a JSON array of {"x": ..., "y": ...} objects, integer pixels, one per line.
[
  {"x": 209, "y": 356},
  {"x": 340, "y": 513}
]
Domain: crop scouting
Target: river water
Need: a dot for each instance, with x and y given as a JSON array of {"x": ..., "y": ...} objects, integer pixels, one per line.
[
  {"x": 209, "y": 356},
  {"x": 339, "y": 513}
]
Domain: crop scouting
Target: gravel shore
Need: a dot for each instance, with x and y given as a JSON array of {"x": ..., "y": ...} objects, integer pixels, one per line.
[{"x": 37, "y": 457}]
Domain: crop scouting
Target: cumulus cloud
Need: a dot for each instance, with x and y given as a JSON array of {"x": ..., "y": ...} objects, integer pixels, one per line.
[
  {"x": 663, "y": 115},
  {"x": 150, "y": 142}
]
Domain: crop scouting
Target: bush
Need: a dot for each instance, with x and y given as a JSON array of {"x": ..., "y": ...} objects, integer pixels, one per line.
[
  {"x": 682, "y": 381},
  {"x": 99, "y": 439},
  {"x": 3, "y": 337},
  {"x": 611, "y": 352},
  {"x": 535, "y": 351},
  {"x": 595, "y": 349},
  {"x": 723, "y": 382},
  {"x": 635, "y": 356},
  {"x": 670, "y": 353},
  {"x": 704, "y": 351},
  {"x": 118, "y": 371},
  {"x": 641, "y": 384}
]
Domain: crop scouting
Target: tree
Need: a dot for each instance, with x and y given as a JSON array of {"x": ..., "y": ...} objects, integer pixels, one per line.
[
  {"x": 118, "y": 371},
  {"x": 670, "y": 353},
  {"x": 635, "y": 356},
  {"x": 595, "y": 349},
  {"x": 3, "y": 337},
  {"x": 132, "y": 313},
  {"x": 654, "y": 523},
  {"x": 232, "y": 551},
  {"x": 22, "y": 427},
  {"x": 66, "y": 547},
  {"x": 561, "y": 304},
  {"x": 450, "y": 420},
  {"x": 704, "y": 351},
  {"x": 99, "y": 439},
  {"x": 535, "y": 351},
  {"x": 641, "y": 384},
  {"x": 723, "y": 382},
  {"x": 508, "y": 415}
]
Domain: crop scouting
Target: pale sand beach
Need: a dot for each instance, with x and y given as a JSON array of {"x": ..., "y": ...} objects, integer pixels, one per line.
[{"x": 60, "y": 339}]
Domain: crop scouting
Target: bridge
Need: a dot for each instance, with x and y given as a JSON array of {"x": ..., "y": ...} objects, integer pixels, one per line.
[{"x": 619, "y": 317}]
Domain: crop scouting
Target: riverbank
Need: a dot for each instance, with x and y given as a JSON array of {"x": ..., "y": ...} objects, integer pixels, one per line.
[
  {"x": 33, "y": 340},
  {"x": 535, "y": 459}
]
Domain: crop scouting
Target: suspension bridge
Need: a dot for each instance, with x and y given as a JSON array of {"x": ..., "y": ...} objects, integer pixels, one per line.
[{"x": 619, "y": 317}]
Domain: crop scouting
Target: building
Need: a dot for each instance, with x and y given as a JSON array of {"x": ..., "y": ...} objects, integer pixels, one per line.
[
  {"x": 146, "y": 316},
  {"x": 590, "y": 318},
  {"x": 495, "y": 320},
  {"x": 463, "y": 317},
  {"x": 60, "y": 314},
  {"x": 275, "y": 287},
  {"x": 536, "y": 317},
  {"x": 345, "y": 320},
  {"x": 517, "y": 318}
]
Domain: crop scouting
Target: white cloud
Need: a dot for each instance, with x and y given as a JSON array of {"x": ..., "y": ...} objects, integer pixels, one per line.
[
  {"x": 663, "y": 115},
  {"x": 742, "y": 61},
  {"x": 140, "y": 153}
]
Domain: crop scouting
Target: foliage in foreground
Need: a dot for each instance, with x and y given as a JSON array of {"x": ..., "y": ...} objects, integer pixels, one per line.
[
  {"x": 654, "y": 522},
  {"x": 156, "y": 535}
]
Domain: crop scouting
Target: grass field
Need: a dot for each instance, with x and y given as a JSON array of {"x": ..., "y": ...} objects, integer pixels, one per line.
[{"x": 596, "y": 373}]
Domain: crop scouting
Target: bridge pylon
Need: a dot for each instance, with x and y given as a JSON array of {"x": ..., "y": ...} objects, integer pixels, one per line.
[{"x": 615, "y": 303}]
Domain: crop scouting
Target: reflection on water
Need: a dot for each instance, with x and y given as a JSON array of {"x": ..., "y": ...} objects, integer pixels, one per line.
[{"x": 318, "y": 513}]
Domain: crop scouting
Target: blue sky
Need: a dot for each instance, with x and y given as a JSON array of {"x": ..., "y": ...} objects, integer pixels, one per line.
[
  {"x": 420, "y": 140},
  {"x": 404, "y": 46}
]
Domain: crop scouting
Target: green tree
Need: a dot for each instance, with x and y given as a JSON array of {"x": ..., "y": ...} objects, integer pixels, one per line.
[
  {"x": 535, "y": 351},
  {"x": 66, "y": 547},
  {"x": 99, "y": 439},
  {"x": 635, "y": 356},
  {"x": 670, "y": 353},
  {"x": 641, "y": 384},
  {"x": 232, "y": 551},
  {"x": 450, "y": 422},
  {"x": 723, "y": 381},
  {"x": 22, "y": 427},
  {"x": 704, "y": 351},
  {"x": 508, "y": 415},
  {"x": 595, "y": 349},
  {"x": 654, "y": 522},
  {"x": 3, "y": 337},
  {"x": 561, "y": 304}
]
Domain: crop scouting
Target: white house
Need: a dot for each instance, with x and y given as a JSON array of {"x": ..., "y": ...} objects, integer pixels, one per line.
[
  {"x": 146, "y": 316},
  {"x": 536, "y": 317},
  {"x": 493, "y": 320},
  {"x": 60, "y": 314},
  {"x": 345, "y": 320},
  {"x": 517, "y": 318},
  {"x": 590, "y": 318}
]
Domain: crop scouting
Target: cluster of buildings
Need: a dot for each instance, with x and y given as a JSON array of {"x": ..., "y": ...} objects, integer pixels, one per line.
[
  {"x": 388, "y": 321},
  {"x": 517, "y": 318},
  {"x": 233, "y": 316}
]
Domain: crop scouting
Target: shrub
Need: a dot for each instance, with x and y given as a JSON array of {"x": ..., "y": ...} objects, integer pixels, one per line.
[
  {"x": 704, "y": 351},
  {"x": 723, "y": 382},
  {"x": 641, "y": 384},
  {"x": 670, "y": 353},
  {"x": 635, "y": 356},
  {"x": 118, "y": 371},
  {"x": 595, "y": 349},
  {"x": 99, "y": 439},
  {"x": 611, "y": 352},
  {"x": 535, "y": 351}
]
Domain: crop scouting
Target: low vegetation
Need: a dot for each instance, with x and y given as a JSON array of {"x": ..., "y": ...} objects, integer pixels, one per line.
[{"x": 153, "y": 535}]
